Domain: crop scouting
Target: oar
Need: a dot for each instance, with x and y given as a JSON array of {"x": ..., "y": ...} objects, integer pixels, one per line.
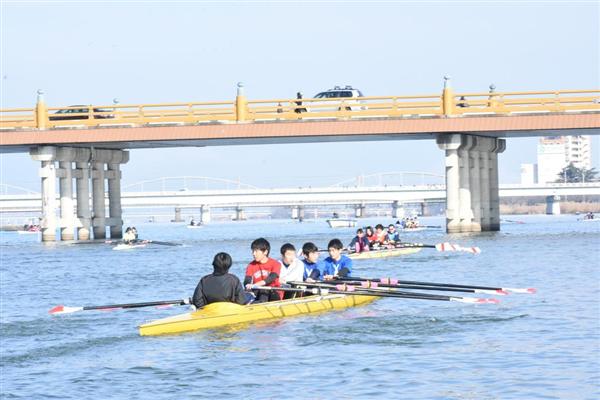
[
  {"x": 324, "y": 289},
  {"x": 390, "y": 287},
  {"x": 66, "y": 310},
  {"x": 393, "y": 281},
  {"x": 164, "y": 243}
]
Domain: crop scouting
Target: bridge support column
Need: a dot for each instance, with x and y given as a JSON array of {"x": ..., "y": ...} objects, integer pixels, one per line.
[
  {"x": 485, "y": 146},
  {"x": 114, "y": 200},
  {"x": 204, "y": 214},
  {"x": 359, "y": 211},
  {"x": 300, "y": 213},
  {"x": 397, "y": 210},
  {"x": 239, "y": 214},
  {"x": 499, "y": 147},
  {"x": 424, "y": 209},
  {"x": 84, "y": 213},
  {"x": 67, "y": 221},
  {"x": 553, "y": 205},
  {"x": 46, "y": 155},
  {"x": 177, "y": 215},
  {"x": 475, "y": 184},
  {"x": 98, "y": 201},
  {"x": 472, "y": 197},
  {"x": 295, "y": 212},
  {"x": 83, "y": 220},
  {"x": 48, "y": 174}
]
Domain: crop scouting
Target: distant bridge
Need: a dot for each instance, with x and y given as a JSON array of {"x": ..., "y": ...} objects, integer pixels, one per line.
[{"x": 297, "y": 197}]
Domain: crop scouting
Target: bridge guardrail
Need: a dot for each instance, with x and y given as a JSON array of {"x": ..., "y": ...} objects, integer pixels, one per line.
[{"x": 241, "y": 110}]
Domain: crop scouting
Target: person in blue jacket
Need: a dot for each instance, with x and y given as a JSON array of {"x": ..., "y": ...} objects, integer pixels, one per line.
[
  {"x": 336, "y": 265},
  {"x": 311, "y": 262}
]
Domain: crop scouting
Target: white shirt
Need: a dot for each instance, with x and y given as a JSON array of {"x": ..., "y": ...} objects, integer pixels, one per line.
[{"x": 292, "y": 273}]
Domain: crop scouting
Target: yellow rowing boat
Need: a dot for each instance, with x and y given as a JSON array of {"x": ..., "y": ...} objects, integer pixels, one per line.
[
  {"x": 224, "y": 314},
  {"x": 384, "y": 253}
]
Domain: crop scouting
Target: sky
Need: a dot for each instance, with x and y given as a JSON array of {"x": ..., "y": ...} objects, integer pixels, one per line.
[{"x": 179, "y": 51}]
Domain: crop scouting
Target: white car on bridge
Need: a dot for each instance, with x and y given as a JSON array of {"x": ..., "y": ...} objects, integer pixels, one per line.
[{"x": 332, "y": 98}]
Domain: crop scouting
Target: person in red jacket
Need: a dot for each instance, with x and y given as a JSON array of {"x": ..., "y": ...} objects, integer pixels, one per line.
[{"x": 263, "y": 271}]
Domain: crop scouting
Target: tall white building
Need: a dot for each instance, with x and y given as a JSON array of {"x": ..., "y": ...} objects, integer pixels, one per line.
[
  {"x": 556, "y": 152},
  {"x": 528, "y": 174}
]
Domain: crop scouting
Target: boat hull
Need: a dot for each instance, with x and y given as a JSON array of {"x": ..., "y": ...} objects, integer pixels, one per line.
[
  {"x": 225, "y": 314},
  {"x": 384, "y": 253},
  {"x": 341, "y": 223}
]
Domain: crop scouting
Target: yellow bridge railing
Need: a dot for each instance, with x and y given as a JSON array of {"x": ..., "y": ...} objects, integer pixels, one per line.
[{"x": 448, "y": 104}]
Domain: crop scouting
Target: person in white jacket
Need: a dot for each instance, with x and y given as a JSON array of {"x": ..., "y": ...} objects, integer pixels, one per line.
[{"x": 292, "y": 268}]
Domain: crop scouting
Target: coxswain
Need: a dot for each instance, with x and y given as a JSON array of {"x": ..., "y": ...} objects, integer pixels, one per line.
[{"x": 220, "y": 286}]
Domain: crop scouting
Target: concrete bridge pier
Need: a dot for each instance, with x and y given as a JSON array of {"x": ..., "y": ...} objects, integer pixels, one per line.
[
  {"x": 499, "y": 147},
  {"x": 204, "y": 214},
  {"x": 359, "y": 210},
  {"x": 295, "y": 212},
  {"x": 84, "y": 213},
  {"x": 424, "y": 209},
  {"x": 67, "y": 220},
  {"x": 472, "y": 195},
  {"x": 98, "y": 201},
  {"x": 397, "y": 210},
  {"x": 553, "y": 205},
  {"x": 239, "y": 214},
  {"x": 82, "y": 173},
  {"x": 177, "y": 215}
]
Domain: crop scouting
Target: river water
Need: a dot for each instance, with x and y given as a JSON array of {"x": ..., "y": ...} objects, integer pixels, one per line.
[{"x": 542, "y": 346}]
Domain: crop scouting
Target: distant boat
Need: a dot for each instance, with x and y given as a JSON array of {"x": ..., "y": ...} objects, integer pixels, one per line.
[
  {"x": 195, "y": 226},
  {"x": 341, "y": 222}
]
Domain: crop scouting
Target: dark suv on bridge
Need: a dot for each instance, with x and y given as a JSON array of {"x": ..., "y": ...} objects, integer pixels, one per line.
[{"x": 80, "y": 112}]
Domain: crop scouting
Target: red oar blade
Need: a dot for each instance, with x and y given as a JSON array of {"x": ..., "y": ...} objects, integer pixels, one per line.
[{"x": 64, "y": 310}]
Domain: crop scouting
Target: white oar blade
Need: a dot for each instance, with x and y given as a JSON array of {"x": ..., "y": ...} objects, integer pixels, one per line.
[
  {"x": 64, "y": 310},
  {"x": 500, "y": 292},
  {"x": 472, "y": 250},
  {"x": 474, "y": 300},
  {"x": 521, "y": 290}
]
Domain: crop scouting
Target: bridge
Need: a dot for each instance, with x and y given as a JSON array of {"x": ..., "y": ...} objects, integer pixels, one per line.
[
  {"x": 89, "y": 142},
  {"x": 297, "y": 198}
]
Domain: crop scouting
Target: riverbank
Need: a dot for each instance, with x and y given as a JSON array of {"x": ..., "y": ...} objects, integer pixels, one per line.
[{"x": 566, "y": 207}]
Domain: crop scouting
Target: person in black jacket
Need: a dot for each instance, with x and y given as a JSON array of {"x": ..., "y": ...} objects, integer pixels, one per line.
[{"x": 220, "y": 285}]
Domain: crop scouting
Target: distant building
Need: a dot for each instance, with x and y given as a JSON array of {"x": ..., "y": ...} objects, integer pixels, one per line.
[
  {"x": 556, "y": 152},
  {"x": 528, "y": 174}
]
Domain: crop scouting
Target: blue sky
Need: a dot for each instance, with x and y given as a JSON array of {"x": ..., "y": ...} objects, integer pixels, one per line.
[{"x": 155, "y": 52}]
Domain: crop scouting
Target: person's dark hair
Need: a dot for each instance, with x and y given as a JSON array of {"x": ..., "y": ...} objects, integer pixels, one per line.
[
  {"x": 369, "y": 228},
  {"x": 222, "y": 262},
  {"x": 336, "y": 244},
  {"x": 360, "y": 230},
  {"x": 392, "y": 226},
  {"x": 261, "y": 244},
  {"x": 287, "y": 247},
  {"x": 379, "y": 226},
  {"x": 309, "y": 247}
]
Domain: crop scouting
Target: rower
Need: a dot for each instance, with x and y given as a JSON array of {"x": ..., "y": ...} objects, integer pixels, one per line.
[
  {"x": 360, "y": 242},
  {"x": 380, "y": 235},
  {"x": 336, "y": 265},
  {"x": 311, "y": 262},
  {"x": 263, "y": 271},
  {"x": 292, "y": 269},
  {"x": 220, "y": 286},
  {"x": 129, "y": 236},
  {"x": 393, "y": 235}
]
